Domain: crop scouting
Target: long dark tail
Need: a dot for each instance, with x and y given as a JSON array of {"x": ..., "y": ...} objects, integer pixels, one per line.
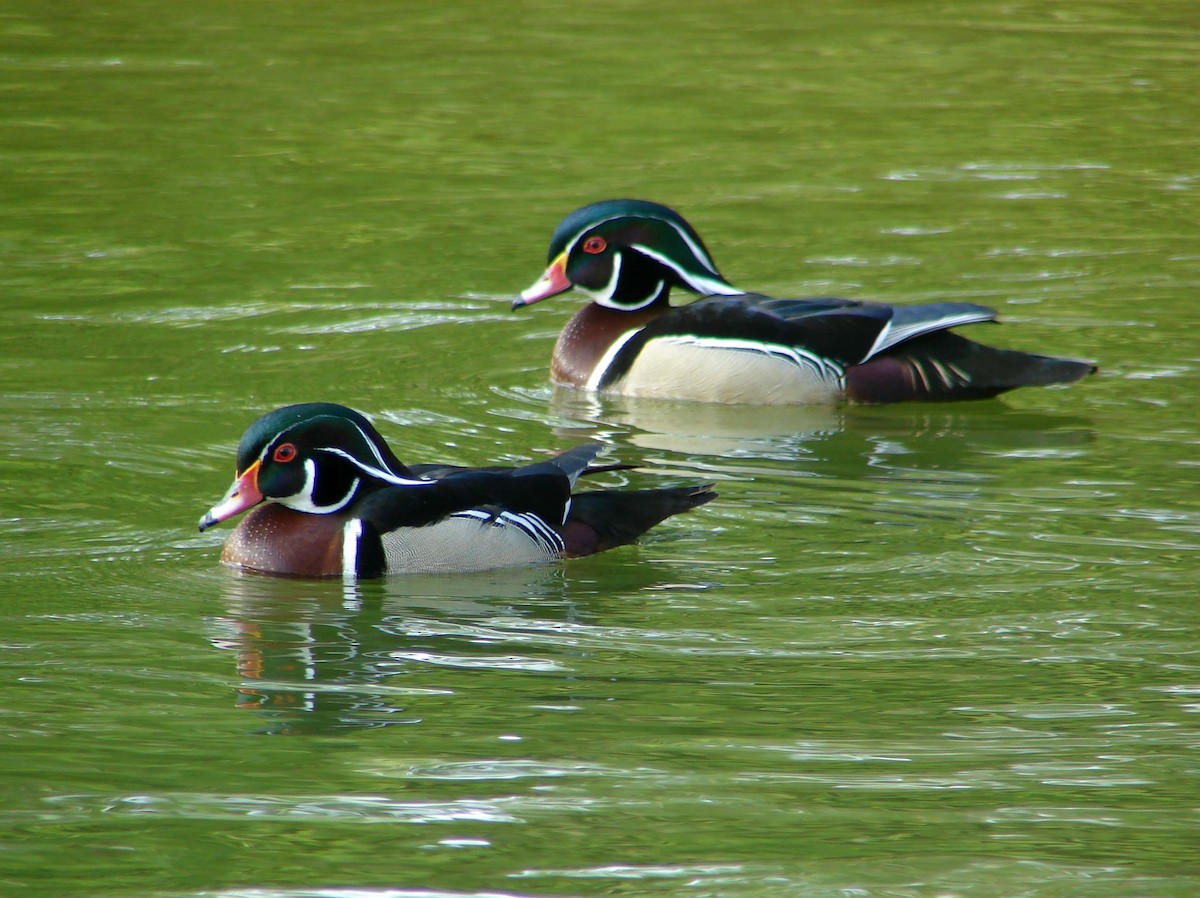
[
  {"x": 604, "y": 519},
  {"x": 945, "y": 366}
]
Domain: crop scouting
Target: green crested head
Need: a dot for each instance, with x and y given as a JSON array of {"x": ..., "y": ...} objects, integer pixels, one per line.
[
  {"x": 305, "y": 418},
  {"x": 627, "y": 254},
  {"x": 315, "y": 457}
]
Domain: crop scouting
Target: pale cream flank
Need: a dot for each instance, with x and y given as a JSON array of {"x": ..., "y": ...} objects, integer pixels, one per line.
[
  {"x": 729, "y": 371},
  {"x": 459, "y": 545}
]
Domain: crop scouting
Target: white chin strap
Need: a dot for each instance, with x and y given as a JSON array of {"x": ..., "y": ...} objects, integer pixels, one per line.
[{"x": 303, "y": 500}]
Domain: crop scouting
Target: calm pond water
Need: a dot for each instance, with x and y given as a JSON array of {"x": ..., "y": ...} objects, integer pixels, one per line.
[{"x": 920, "y": 651}]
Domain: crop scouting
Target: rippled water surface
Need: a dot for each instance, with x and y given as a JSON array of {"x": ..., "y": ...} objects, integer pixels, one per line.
[{"x": 922, "y": 651}]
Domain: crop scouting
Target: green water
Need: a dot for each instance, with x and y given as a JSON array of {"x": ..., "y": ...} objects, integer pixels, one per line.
[{"x": 921, "y": 651}]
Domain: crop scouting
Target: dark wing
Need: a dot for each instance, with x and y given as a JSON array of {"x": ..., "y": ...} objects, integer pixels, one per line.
[
  {"x": 838, "y": 328},
  {"x": 575, "y": 463},
  {"x": 841, "y": 330},
  {"x": 604, "y": 519},
  {"x": 910, "y": 322},
  {"x": 944, "y": 366},
  {"x": 542, "y": 489},
  {"x": 435, "y": 472}
]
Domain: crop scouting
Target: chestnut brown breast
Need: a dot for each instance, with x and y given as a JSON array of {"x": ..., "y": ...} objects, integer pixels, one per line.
[
  {"x": 588, "y": 335},
  {"x": 273, "y": 539}
]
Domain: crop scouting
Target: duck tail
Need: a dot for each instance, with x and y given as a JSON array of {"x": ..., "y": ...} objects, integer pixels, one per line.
[
  {"x": 604, "y": 519},
  {"x": 946, "y": 367}
]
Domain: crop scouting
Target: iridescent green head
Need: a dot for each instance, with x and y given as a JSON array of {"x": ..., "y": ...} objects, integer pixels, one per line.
[{"x": 626, "y": 254}]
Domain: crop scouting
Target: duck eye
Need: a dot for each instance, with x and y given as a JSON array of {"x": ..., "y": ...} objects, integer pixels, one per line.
[
  {"x": 284, "y": 453},
  {"x": 595, "y": 245}
]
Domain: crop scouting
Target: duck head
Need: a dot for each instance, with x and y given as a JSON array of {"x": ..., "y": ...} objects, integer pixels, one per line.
[
  {"x": 315, "y": 457},
  {"x": 626, "y": 254}
]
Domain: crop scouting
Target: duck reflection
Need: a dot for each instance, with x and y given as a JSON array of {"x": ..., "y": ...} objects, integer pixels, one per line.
[
  {"x": 328, "y": 656},
  {"x": 698, "y": 428},
  {"x": 838, "y": 439},
  {"x": 321, "y": 656}
]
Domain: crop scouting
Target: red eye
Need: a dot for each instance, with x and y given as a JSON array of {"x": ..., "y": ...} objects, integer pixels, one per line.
[
  {"x": 595, "y": 245},
  {"x": 284, "y": 453}
]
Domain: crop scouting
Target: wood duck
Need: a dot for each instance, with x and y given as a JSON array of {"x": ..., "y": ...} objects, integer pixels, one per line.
[
  {"x": 342, "y": 504},
  {"x": 730, "y": 346}
]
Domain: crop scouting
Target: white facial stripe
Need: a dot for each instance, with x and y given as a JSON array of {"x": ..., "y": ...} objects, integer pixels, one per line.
[
  {"x": 374, "y": 449},
  {"x": 305, "y": 496},
  {"x": 303, "y": 500},
  {"x": 577, "y": 237},
  {"x": 604, "y": 296},
  {"x": 700, "y": 284},
  {"x": 380, "y": 473},
  {"x": 696, "y": 249}
]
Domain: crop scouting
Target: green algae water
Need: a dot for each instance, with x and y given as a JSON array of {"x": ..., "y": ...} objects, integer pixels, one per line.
[{"x": 915, "y": 651}]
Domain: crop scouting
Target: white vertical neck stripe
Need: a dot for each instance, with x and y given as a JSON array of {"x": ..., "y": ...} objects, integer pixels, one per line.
[{"x": 351, "y": 536}]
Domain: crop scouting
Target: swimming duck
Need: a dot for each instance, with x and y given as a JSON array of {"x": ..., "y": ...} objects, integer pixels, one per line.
[
  {"x": 730, "y": 346},
  {"x": 339, "y": 503}
]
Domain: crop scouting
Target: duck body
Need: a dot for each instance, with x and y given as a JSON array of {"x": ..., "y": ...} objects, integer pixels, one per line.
[
  {"x": 343, "y": 505},
  {"x": 731, "y": 346}
]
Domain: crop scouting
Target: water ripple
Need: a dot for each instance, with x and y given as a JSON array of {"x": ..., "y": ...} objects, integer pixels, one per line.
[
  {"x": 493, "y": 769},
  {"x": 332, "y": 808},
  {"x": 493, "y": 662},
  {"x": 333, "y": 892},
  {"x": 647, "y": 871}
]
